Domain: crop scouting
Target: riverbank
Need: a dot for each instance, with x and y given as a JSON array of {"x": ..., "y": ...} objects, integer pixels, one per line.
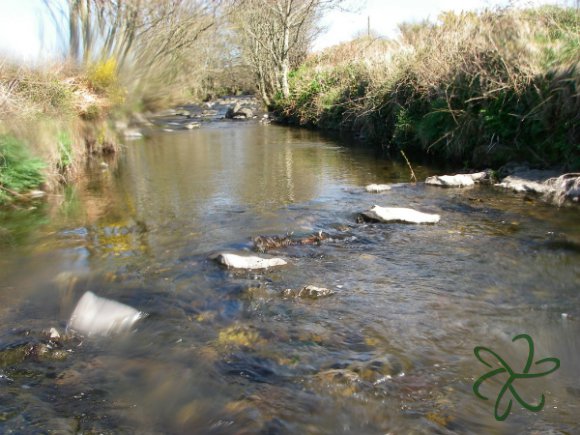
[
  {"x": 473, "y": 90},
  {"x": 52, "y": 120}
]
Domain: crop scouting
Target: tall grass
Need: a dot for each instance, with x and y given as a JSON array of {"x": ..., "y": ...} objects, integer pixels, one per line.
[
  {"x": 57, "y": 115},
  {"x": 475, "y": 88}
]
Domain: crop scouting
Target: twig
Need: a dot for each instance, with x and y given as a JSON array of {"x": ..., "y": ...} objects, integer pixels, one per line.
[{"x": 413, "y": 177}]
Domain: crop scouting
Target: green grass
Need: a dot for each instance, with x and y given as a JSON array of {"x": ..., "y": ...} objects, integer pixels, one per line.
[{"x": 19, "y": 171}]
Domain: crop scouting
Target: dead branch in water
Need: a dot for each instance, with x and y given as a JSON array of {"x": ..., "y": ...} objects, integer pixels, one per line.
[{"x": 413, "y": 177}]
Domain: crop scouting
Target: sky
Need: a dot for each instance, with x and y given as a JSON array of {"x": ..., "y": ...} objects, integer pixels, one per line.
[
  {"x": 27, "y": 34},
  {"x": 385, "y": 15}
]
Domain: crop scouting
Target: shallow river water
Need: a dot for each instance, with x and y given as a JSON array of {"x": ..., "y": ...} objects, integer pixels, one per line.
[{"x": 225, "y": 352}]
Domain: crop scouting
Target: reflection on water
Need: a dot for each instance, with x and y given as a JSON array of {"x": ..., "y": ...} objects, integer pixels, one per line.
[{"x": 226, "y": 352}]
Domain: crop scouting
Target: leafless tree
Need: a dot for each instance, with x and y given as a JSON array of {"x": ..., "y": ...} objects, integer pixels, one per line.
[{"x": 273, "y": 34}]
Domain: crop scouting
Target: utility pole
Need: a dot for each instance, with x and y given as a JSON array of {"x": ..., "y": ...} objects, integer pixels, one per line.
[{"x": 369, "y": 23}]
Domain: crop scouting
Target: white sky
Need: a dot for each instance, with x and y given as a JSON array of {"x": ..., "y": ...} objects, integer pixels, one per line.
[
  {"x": 385, "y": 15},
  {"x": 26, "y": 31}
]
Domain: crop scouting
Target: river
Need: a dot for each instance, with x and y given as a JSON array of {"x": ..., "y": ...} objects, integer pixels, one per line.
[{"x": 225, "y": 352}]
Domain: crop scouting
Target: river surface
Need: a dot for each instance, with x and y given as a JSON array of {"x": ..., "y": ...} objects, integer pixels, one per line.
[{"x": 225, "y": 352}]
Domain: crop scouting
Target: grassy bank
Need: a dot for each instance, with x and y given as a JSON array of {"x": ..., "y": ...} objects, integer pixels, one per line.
[
  {"x": 51, "y": 120},
  {"x": 472, "y": 89}
]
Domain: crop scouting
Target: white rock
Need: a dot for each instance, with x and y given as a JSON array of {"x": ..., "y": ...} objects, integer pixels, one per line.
[
  {"x": 458, "y": 180},
  {"x": 518, "y": 184},
  {"x": 53, "y": 333},
  {"x": 248, "y": 262},
  {"x": 94, "y": 315},
  {"x": 132, "y": 133},
  {"x": 397, "y": 214},
  {"x": 36, "y": 194},
  {"x": 377, "y": 188}
]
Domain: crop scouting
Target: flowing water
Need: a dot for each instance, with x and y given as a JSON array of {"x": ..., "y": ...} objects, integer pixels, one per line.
[{"x": 225, "y": 351}]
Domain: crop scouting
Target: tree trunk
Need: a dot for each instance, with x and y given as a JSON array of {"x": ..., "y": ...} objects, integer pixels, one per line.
[
  {"x": 73, "y": 23},
  {"x": 285, "y": 72},
  {"x": 285, "y": 56}
]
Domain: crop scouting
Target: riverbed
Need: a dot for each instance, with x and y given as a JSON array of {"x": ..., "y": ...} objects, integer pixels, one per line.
[{"x": 224, "y": 351}]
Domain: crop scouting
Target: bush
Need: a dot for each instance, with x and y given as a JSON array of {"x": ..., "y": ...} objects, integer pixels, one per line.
[{"x": 102, "y": 75}]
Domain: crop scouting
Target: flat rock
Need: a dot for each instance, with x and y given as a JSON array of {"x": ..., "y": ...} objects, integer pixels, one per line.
[
  {"x": 458, "y": 180},
  {"x": 94, "y": 315},
  {"x": 248, "y": 261},
  {"x": 377, "y": 188},
  {"x": 399, "y": 214},
  {"x": 519, "y": 184}
]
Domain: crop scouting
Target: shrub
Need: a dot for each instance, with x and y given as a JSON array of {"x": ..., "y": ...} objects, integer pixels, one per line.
[{"x": 102, "y": 75}]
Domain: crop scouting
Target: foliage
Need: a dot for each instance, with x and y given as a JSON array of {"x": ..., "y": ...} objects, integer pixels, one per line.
[
  {"x": 102, "y": 75},
  {"x": 482, "y": 88},
  {"x": 19, "y": 171}
]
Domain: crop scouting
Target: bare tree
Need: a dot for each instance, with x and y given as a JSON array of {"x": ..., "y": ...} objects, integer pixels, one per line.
[{"x": 273, "y": 33}]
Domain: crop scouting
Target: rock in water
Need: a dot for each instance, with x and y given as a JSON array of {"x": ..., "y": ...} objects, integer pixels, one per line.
[
  {"x": 459, "y": 180},
  {"x": 519, "y": 184},
  {"x": 308, "y": 292},
  {"x": 132, "y": 133},
  {"x": 313, "y": 292},
  {"x": 94, "y": 315},
  {"x": 377, "y": 188},
  {"x": 248, "y": 262},
  {"x": 397, "y": 214}
]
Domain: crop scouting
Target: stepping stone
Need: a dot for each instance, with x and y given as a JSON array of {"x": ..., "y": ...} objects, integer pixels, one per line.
[
  {"x": 377, "y": 188},
  {"x": 397, "y": 214},
  {"x": 248, "y": 261},
  {"x": 459, "y": 180}
]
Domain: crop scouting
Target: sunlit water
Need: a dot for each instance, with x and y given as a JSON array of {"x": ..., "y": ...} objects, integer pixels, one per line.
[{"x": 224, "y": 352}]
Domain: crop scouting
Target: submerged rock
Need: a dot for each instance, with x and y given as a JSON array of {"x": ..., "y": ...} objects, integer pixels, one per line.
[
  {"x": 248, "y": 261},
  {"x": 94, "y": 315},
  {"x": 399, "y": 214},
  {"x": 240, "y": 336},
  {"x": 458, "y": 180},
  {"x": 265, "y": 243},
  {"x": 377, "y": 188}
]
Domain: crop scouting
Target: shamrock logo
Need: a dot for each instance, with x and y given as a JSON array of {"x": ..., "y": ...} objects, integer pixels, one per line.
[{"x": 513, "y": 376}]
